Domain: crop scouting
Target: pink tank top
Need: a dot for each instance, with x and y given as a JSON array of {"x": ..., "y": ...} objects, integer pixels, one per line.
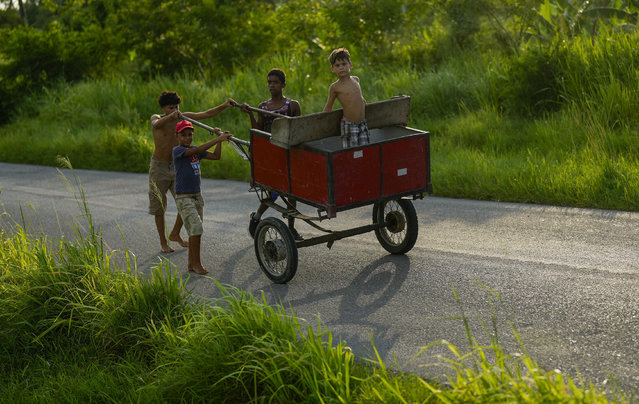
[{"x": 267, "y": 120}]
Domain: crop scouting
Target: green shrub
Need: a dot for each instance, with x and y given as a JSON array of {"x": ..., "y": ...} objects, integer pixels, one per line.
[{"x": 532, "y": 82}]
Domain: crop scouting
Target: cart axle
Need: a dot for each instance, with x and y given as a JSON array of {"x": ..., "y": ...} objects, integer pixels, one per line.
[{"x": 338, "y": 235}]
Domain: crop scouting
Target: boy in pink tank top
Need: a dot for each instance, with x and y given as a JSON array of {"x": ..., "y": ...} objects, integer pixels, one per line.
[{"x": 276, "y": 80}]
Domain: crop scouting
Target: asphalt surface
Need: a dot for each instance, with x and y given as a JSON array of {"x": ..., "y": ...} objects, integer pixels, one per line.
[{"x": 565, "y": 279}]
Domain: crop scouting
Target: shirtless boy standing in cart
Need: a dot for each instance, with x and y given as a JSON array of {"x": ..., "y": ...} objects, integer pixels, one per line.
[
  {"x": 161, "y": 169},
  {"x": 276, "y": 79},
  {"x": 347, "y": 91}
]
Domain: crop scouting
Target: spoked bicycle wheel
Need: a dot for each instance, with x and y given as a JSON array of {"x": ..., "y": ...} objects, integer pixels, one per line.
[
  {"x": 275, "y": 250},
  {"x": 400, "y": 233}
]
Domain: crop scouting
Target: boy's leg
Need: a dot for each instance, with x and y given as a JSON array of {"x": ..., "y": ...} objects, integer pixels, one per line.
[
  {"x": 254, "y": 217},
  {"x": 175, "y": 233},
  {"x": 363, "y": 136},
  {"x": 344, "y": 134},
  {"x": 157, "y": 205},
  {"x": 159, "y": 224},
  {"x": 161, "y": 178},
  {"x": 191, "y": 210},
  {"x": 350, "y": 133},
  {"x": 260, "y": 210},
  {"x": 291, "y": 222},
  {"x": 195, "y": 263}
]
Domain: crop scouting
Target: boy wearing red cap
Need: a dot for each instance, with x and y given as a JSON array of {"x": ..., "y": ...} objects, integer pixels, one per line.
[
  {"x": 161, "y": 170},
  {"x": 188, "y": 196}
]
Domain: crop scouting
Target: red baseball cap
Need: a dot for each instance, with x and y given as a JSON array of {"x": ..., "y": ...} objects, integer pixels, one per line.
[{"x": 183, "y": 125}]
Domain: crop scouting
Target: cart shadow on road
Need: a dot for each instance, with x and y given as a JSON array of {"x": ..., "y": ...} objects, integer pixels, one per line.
[
  {"x": 353, "y": 311},
  {"x": 235, "y": 263},
  {"x": 375, "y": 285},
  {"x": 357, "y": 319}
]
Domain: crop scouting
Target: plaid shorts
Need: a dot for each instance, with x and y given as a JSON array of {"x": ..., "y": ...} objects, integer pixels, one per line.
[
  {"x": 191, "y": 208},
  {"x": 354, "y": 133}
]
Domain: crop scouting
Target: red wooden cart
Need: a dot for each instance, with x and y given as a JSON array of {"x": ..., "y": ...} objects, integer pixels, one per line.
[{"x": 302, "y": 159}]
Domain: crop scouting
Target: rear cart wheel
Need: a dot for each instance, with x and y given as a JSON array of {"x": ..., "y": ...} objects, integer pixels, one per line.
[
  {"x": 400, "y": 233},
  {"x": 275, "y": 250}
]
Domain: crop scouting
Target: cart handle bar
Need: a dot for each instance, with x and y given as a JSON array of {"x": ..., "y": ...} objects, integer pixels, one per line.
[
  {"x": 261, "y": 111},
  {"x": 212, "y": 130}
]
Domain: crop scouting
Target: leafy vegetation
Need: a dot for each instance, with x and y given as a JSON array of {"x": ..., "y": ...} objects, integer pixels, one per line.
[
  {"x": 74, "y": 40},
  {"x": 501, "y": 129},
  {"x": 527, "y": 100}
]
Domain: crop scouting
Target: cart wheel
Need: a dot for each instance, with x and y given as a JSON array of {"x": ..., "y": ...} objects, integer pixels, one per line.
[
  {"x": 275, "y": 250},
  {"x": 400, "y": 235}
]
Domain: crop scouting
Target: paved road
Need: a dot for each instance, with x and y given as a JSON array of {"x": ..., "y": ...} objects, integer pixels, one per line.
[{"x": 567, "y": 278}]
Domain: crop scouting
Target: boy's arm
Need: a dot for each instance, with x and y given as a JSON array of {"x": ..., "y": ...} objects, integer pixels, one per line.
[
  {"x": 295, "y": 108},
  {"x": 204, "y": 147},
  {"x": 254, "y": 124},
  {"x": 331, "y": 98},
  {"x": 215, "y": 154},
  {"x": 360, "y": 89},
  {"x": 158, "y": 121},
  {"x": 209, "y": 113},
  {"x": 260, "y": 122}
]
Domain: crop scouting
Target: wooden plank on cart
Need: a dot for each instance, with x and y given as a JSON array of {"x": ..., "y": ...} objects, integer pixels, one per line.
[{"x": 287, "y": 132}]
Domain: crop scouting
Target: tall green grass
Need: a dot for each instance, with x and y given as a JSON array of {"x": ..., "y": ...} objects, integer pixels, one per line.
[
  {"x": 75, "y": 332},
  {"x": 77, "y": 328},
  {"x": 553, "y": 125}
]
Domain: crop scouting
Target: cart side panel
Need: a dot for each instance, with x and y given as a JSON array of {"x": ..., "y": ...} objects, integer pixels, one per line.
[
  {"x": 405, "y": 165},
  {"x": 292, "y": 131},
  {"x": 356, "y": 175},
  {"x": 309, "y": 176},
  {"x": 269, "y": 164}
]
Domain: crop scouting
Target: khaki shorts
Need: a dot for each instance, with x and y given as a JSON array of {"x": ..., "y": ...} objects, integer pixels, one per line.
[
  {"x": 191, "y": 208},
  {"x": 161, "y": 180}
]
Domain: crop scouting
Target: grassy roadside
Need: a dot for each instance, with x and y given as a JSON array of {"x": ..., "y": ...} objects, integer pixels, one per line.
[
  {"x": 555, "y": 126},
  {"x": 76, "y": 328}
]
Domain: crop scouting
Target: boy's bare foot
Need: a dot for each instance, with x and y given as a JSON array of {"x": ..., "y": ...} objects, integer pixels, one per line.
[
  {"x": 199, "y": 270},
  {"x": 179, "y": 240},
  {"x": 167, "y": 249}
]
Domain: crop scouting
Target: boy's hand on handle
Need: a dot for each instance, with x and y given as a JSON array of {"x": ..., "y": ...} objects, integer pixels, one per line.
[
  {"x": 224, "y": 135},
  {"x": 240, "y": 106},
  {"x": 245, "y": 107},
  {"x": 230, "y": 103}
]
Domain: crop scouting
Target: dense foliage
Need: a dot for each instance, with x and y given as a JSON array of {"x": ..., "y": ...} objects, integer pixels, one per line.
[
  {"x": 49, "y": 40},
  {"x": 527, "y": 100}
]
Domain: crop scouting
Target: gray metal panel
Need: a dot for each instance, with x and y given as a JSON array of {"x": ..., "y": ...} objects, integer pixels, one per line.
[
  {"x": 381, "y": 135},
  {"x": 291, "y": 131}
]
